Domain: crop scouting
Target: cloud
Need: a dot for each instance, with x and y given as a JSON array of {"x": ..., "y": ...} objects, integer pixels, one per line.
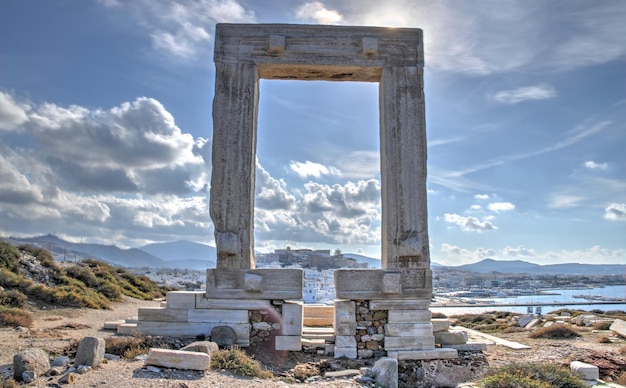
[
  {"x": 182, "y": 29},
  {"x": 501, "y": 206},
  {"x": 481, "y": 197},
  {"x": 561, "y": 201},
  {"x": 615, "y": 212},
  {"x": 317, "y": 11},
  {"x": 519, "y": 252},
  {"x": 590, "y": 164},
  {"x": 515, "y": 96},
  {"x": 453, "y": 255},
  {"x": 12, "y": 113},
  {"x": 271, "y": 193},
  {"x": 469, "y": 224},
  {"x": 311, "y": 169}
]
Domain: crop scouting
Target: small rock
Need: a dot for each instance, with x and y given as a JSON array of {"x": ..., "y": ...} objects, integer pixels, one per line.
[
  {"x": 364, "y": 380},
  {"x": 111, "y": 357},
  {"x": 224, "y": 336},
  {"x": 90, "y": 351},
  {"x": 55, "y": 371},
  {"x": 153, "y": 369},
  {"x": 60, "y": 361},
  {"x": 28, "y": 376},
  {"x": 69, "y": 378},
  {"x": 82, "y": 369},
  {"x": 32, "y": 359}
]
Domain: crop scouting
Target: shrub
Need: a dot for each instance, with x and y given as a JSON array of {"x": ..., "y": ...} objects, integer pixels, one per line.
[
  {"x": 301, "y": 372},
  {"x": 555, "y": 332},
  {"x": 9, "y": 256},
  {"x": 238, "y": 362},
  {"x": 15, "y": 317},
  {"x": 531, "y": 375},
  {"x": 132, "y": 346},
  {"x": 13, "y": 298},
  {"x": 622, "y": 350},
  {"x": 439, "y": 316}
]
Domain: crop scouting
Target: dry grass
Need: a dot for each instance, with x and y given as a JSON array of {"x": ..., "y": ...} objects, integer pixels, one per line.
[
  {"x": 531, "y": 375},
  {"x": 131, "y": 346},
  {"x": 15, "y": 317},
  {"x": 555, "y": 332},
  {"x": 238, "y": 362}
]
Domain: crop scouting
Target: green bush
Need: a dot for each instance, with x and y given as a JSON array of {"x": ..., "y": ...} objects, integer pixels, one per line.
[
  {"x": 532, "y": 376},
  {"x": 13, "y": 298},
  {"x": 9, "y": 256},
  {"x": 238, "y": 362},
  {"x": 15, "y": 317}
]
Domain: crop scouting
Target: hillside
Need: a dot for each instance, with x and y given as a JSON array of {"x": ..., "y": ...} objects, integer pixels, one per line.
[{"x": 519, "y": 266}]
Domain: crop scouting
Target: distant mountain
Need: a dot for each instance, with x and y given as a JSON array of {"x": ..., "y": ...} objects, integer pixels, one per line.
[
  {"x": 371, "y": 262},
  {"x": 132, "y": 257},
  {"x": 519, "y": 266},
  {"x": 184, "y": 253}
]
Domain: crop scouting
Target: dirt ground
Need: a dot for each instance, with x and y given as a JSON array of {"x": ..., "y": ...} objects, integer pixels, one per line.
[{"x": 57, "y": 330}]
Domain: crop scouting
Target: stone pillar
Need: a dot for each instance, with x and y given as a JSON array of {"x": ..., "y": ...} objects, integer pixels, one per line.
[
  {"x": 235, "y": 108},
  {"x": 403, "y": 169}
]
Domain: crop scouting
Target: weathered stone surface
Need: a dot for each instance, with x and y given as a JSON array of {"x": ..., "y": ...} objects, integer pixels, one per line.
[
  {"x": 400, "y": 304},
  {"x": 452, "y": 337},
  {"x": 410, "y": 343},
  {"x": 345, "y": 317},
  {"x": 440, "y": 324},
  {"x": 217, "y": 316},
  {"x": 181, "y": 299},
  {"x": 288, "y": 342},
  {"x": 292, "y": 318},
  {"x": 160, "y": 314},
  {"x": 408, "y": 329},
  {"x": 28, "y": 376},
  {"x": 232, "y": 304},
  {"x": 524, "y": 320},
  {"x": 619, "y": 327},
  {"x": 207, "y": 347},
  {"x": 386, "y": 372},
  {"x": 587, "y": 371},
  {"x": 228, "y": 283},
  {"x": 470, "y": 347},
  {"x": 369, "y": 283},
  {"x": 178, "y": 359},
  {"x": 193, "y": 329},
  {"x": 61, "y": 361},
  {"x": 345, "y": 352},
  {"x": 90, "y": 352},
  {"x": 31, "y": 359},
  {"x": 409, "y": 316},
  {"x": 533, "y": 323},
  {"x": 345, "y": 341},
  {"x": 224, "y": 336},
  {"x": 433, "y": 354}
]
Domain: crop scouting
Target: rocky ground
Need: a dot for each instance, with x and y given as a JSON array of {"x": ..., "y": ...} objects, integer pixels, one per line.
[{"x": 59, "y": 330}]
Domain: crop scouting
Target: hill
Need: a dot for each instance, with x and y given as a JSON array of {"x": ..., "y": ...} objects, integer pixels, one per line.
[
  {"x": 184, "y": 254},
  {"x": 519, "y": 266}
]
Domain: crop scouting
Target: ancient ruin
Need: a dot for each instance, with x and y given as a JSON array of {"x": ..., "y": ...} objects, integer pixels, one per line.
[{"x": 377, "y": 312}]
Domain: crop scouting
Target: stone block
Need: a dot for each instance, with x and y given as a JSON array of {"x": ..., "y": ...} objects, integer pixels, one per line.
[
  {"x": 368, "y": 284},
  {"x": 112, "y": 325},
  {"x": 386, "y": 372},
  {"x": 369, "y": 47},
  {"x": 266, "y": 283},
  {"x": 193, "y": 329},
  {"x": 533, "y": 323},
  {"x": 178, "y": 359},
  {"x": 399, "y": 304},
  {"x": 224, "y": 336},
  {"x": 207, "y": 347},
  {"x": 160, "y": 314},
  {"x": 181, "y": 299},
  {"x": 524, "y": 320},
  {"x": 440, "y": 324},
  {"x": 288, "y": 342},
  {"x": 218, "y": 316},
  {"x": 345, "y": 317},
  {"x": 292, "y": 318},
  {"x": 409, "y": 329},
  {"x": 453, "y": 337},
  {"x": 587, "y": 371},
  {"x": 409, "y": 316},
  {"x": 127, "y": 329},
  {"x": 470, "y": 347},
  {"x": 409, "y": 343},
  {"x": 276, "y": 44},
  {"x": 231, "y": 304},
  {"x": 619, "y": 327},
  {"x": 345, "y": 352},
  {"x": 36, "y": 360},
  {"x": 392, "y": 283},
  {"x": 345, "y": 341},
  {"x": 433, "y": 354},
  {"x": 90, "y": 352}
]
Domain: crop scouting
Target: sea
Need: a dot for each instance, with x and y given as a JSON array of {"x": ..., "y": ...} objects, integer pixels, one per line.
[{"x": 559, "y": 298}]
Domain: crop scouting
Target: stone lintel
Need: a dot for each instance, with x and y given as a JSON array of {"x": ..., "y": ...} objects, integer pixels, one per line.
[
  {"x": 367, "y": 284},
  {"x": 433, "y": 354},
  {"x": 266, "y": 283},
  {"x": 399, "y": 304},
  {"x": 318, "y": 46},
  {"x": 240, "y": 304}
]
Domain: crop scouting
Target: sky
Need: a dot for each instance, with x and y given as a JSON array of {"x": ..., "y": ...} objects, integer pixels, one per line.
[{"x": 105, "y": 127}]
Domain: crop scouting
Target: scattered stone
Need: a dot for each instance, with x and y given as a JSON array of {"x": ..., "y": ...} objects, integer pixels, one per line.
[
  {"x": 82, "y": 369},
  {"x": 55, "y": 371},
  {"x": 342, "y": 374},
  {"x": 533, "y": 323},
  {"x": 207, "y": 347},
  {"x": 386, "y": 372},
  {"x": 153, "y": 369},
  {"x": 588, "y": 371},
  {"x": 90, "y": 352},
  {"x": 452, "y": 337},
  {"x": 524, "y": 320},
  {"x": 69, "y": 378},
  {"x": 32, "y": 359},
  {"x": 224, "y": 336},
  {"x": 178, "y": 359},
  {"x": 111, "y": 357},
  {"x": 61, "y": 361}
]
